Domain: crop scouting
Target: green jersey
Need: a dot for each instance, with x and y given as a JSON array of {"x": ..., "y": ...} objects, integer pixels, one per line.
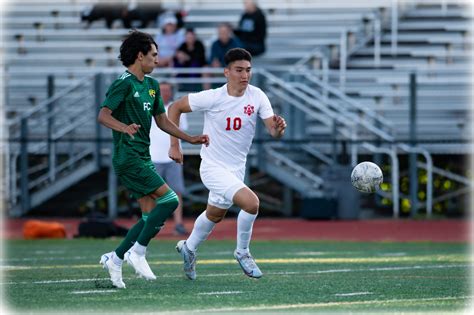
[{"x": 133, "y": 101}]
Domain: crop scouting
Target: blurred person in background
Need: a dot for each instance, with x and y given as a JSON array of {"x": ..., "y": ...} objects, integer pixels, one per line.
[
  {"x": 142, "y": 11},
  {"x": 191, "y": 54},
  {"x": 222, "y": 45},
  {"x": 252, "y": 29},
  {"x": 169, "y": 40},
  {"x": 170, "y": 171},
  {"x": 103, "y": 10},
  {"x": 131, "y": 102}
]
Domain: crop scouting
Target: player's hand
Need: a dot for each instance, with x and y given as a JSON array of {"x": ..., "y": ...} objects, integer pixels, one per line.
[
  {"x": 202, "y": 139},
  {"x": 176, "y": 154},
  {"x": 279, "y": 124},
  {"x": 131, "y": 130}
]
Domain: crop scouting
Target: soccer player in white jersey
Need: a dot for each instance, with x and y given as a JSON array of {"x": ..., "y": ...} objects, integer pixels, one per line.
[{"x": 230, "y": 118}]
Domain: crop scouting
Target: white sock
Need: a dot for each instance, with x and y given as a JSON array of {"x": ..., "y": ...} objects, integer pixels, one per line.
[
  {"x": 245, "y": 222},
  {"x": 116, "y": 260},
  {"x": 202, "y": 228},
  {"x": 139, "y": 249}
]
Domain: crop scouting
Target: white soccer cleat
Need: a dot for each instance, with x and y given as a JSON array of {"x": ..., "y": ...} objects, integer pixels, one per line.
[
  {"x": 248, "y": 265},
  {"x": 140, "y": 265},
  {"x": 114, "y": 270}
]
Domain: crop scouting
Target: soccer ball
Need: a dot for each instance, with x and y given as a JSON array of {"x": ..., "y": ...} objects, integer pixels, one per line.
[{"x": 366, "y": 177}]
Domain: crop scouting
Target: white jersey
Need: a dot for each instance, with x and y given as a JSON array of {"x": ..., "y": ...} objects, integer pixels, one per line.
[
  {"x": 160, "y": 140},
  {"x": 230, "y": 123}
]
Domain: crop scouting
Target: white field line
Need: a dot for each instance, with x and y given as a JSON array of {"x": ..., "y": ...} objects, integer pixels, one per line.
[
  {"x": 7, "y": 260},
  {"x": 282, "y": 273},
  {"x": 312, "y": 253},
  {"x": 328, "y": 304},
  {"x": 308, "y": 260},
  {"x": 353, "y": 294},
  {"x": 220, "y": 293},
  {"x": 93, "y": 291},
  {"x": 392, "y": 254}
]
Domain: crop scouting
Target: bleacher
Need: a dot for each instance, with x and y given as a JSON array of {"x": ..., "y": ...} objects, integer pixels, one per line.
[
  {"x": 369, "y": 94},
  {"x": 55, "y": 40}
]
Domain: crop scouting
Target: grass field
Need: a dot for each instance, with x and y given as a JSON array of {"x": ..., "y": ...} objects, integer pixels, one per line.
[{"x": 64, "y": 276}]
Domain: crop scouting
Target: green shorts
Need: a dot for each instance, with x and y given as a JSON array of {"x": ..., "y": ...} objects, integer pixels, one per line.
[{"x": 141, "y": 179}]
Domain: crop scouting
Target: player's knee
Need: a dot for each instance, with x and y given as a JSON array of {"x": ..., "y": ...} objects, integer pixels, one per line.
[
  {"x": 174, "y": 200},
  {"x": 215, "y": 217},
  {"x": 252, "y": 206}
]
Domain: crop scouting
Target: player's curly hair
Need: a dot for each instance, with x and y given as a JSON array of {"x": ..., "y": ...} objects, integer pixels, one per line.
[
  {"x": 134, "y": 43},
  {"x": 236, "y": 54}
]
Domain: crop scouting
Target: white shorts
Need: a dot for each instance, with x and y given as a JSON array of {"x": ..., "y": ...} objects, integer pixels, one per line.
[{"x": 222, "y": 184}]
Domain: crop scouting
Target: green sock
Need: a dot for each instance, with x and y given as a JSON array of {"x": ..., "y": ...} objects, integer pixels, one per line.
[
  {"x": 130, "y": 238},
  {"x": 165, "y": 206}
]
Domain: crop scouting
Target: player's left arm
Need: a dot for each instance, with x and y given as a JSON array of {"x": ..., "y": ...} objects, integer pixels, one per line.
[{"x": 276, "y": 126}]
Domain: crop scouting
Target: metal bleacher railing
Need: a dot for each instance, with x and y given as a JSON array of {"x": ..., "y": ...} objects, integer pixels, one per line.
[{"x": 56, "y": 143}]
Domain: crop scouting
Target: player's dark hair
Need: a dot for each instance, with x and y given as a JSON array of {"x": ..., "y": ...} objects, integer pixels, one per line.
[
  {"x": 134, "y": 43},
  {"x": 236, "y": 54}
]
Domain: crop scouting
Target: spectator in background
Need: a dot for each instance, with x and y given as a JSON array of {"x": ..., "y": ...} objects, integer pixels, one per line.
[
  {"x": 108, "y": 11},
  {"x": 169, "y": 170},
  {"x": 142, "y": 11},
  {"x": 224, "y": 43},
  {"x": 191, "y": 54},
  {"x": 169, "y": 40},
  {"x": 252, "y": 29}
]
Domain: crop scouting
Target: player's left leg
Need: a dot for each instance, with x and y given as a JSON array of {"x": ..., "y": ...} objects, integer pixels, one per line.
[
  {"x": 156, "y": 208},
  {"x": 248, "y": 201}
]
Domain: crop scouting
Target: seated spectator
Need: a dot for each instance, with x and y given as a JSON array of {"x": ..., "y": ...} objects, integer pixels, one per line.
[
  {"x": 169, "y": 40},
  {"x": 220, "y": 46},
  {"x": 108, "y": 11},
  {"x": 252, "y": 29},
  {"x": 191, "y": 54},
  {"x": 144, "y": 12}
]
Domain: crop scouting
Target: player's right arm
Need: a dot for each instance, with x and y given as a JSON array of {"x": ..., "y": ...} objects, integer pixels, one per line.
[
  {"x": 114, "y": 97},
  {"x": 105, "y": 118},
  {"x": 174, "y": 113}
]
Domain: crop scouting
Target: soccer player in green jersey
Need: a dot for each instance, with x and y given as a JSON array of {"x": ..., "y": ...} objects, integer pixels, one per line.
[{"x": 131, "y": 102}]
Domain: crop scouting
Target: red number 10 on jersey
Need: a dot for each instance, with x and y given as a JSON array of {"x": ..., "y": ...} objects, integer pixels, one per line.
[{"x": 236, "y": 125}]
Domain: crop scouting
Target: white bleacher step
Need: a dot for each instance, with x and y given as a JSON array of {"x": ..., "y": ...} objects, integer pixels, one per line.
[
  {"x": 416, "y": 51},
  {"x": 401, "y": 79},
  {"x": 80, "y": 58},
  {"x": 405, "y": 93},
  {"x": 391, "y": 107},
  {"x": 413, "y": 62},
  {"x": 431, "y": 37},
  {"x": 95, "y": 46},
  {"x": 448, "y": 148},
  {"x": 308, "y": 17},
  {"x": 434, "y": 73},
  {"x": 290, "y": 6},
  {"x": 438, "y": 13},
  {"x": 434, "y": 25},
  {"x": 202, "y": 31},
  {"x": 41, "y": 8},
  {"x": 46, "y": 21},
  {"x": 385, "y": 62}
]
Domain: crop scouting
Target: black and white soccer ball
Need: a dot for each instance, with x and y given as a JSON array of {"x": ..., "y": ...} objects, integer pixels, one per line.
[{"x": 366, "y": 177}]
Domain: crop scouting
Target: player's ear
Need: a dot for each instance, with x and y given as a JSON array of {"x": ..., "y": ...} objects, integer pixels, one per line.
[
  {"x": 226, "y": 72},
  {"x": 140, "y": 56}
]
